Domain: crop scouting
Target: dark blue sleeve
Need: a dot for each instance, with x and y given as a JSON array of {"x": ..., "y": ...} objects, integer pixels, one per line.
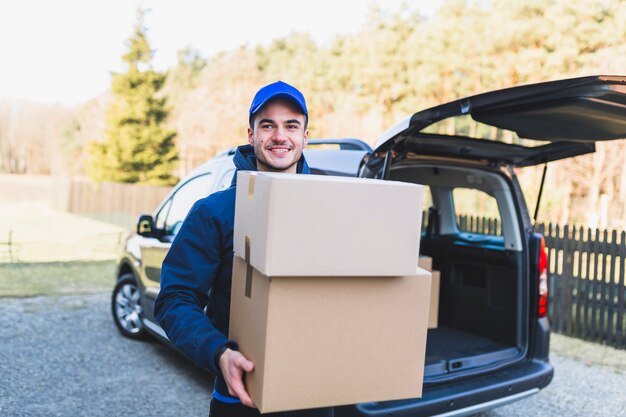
[{"x": 189, "y": 270}]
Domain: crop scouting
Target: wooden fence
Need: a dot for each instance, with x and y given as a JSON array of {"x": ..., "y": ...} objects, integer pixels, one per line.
[
  {"x": 587, "y": 287},
  {"x": 113, "y": 202},
  {"x": 475, "y": 224}
]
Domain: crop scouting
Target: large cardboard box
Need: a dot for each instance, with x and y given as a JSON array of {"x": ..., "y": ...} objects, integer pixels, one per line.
[
  {"x": 322, "y": 341},
  {"x": 333, "y": 225}
]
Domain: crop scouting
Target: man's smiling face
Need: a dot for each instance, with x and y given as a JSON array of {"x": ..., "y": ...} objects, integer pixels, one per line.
[{"x": 278, "y": 136}]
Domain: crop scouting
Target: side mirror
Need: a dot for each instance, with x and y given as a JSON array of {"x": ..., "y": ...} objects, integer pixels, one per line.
[{"x": 145, "y": 225}]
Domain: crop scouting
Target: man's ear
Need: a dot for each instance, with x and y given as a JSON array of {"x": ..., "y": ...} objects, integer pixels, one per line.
[
  {"x": 306, "y": 139},
  {"x": 251, "y": 136}
]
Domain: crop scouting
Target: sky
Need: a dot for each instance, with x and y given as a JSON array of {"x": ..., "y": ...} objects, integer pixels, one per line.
[{"x": 63, "y": 51}]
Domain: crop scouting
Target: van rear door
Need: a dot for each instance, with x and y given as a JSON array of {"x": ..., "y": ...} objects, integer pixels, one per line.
[{"x": 519, "y": 126}]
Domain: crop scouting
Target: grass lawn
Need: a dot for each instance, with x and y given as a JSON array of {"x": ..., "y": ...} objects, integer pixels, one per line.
[
  {"x": 56, "y": 278},
  {"x": 55, "y": 253},
  {"x": 589, "y": 353},
  {"x": 42, "y": 234}
]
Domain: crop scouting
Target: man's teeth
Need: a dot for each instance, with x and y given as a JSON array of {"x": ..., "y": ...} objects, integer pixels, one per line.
[{"x": 280, "y": 150}]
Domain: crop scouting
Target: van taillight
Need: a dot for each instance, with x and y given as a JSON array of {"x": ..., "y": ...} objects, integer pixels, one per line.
[{"x": 543, "y": 279}]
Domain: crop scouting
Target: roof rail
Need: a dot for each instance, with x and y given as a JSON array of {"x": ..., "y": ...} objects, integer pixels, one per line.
[
  {"x": 345, "y": 144},
  {"x": 350, "y": 144}
]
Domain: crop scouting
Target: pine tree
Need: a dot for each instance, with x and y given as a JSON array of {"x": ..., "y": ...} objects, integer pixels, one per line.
[{"x": 138, "y": 146}]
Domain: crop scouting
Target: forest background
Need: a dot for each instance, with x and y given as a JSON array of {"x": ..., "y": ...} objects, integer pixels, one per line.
[{"x": 362, "y": 83}]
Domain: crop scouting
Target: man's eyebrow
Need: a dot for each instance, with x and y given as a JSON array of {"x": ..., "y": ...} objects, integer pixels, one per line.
[{"x": 287, "y": 122}]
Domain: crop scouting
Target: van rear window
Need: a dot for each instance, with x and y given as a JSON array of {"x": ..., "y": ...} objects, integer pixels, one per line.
[{"x": 476, "y": 212}]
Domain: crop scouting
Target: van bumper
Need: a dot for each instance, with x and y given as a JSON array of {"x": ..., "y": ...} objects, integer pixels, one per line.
[{"x": 464, "y": 397}]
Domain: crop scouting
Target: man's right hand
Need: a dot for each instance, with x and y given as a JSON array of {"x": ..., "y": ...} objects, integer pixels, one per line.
[{"x": 233, "y": 365}]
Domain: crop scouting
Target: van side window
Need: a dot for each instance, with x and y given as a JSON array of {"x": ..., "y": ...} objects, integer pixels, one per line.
[
  {"x": 171, "y": 216},
  {"x": 476, "y": 212}
]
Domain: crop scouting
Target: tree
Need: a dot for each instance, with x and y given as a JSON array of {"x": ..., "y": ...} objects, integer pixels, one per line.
[{"x": 138, "y": 146}]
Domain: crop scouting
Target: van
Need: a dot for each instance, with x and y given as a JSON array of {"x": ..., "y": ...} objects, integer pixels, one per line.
[{"x": 491, "y": 343}]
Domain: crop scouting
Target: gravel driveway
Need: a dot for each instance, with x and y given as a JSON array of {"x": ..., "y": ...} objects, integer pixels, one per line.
[{"x": 62, "y": 356}]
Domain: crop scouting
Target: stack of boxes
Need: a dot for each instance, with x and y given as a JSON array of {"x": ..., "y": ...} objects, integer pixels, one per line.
[{"x": 326, "y": 299}]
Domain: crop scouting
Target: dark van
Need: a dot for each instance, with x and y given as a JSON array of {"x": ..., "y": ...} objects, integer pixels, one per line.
[{"x": 491, "y": 346}]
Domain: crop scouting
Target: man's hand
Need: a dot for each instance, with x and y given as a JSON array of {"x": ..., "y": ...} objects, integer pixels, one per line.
[{"x": 233, "y": 365}]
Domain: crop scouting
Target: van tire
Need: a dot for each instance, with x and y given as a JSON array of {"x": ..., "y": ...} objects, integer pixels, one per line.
[{"x": 126, "y": 308}]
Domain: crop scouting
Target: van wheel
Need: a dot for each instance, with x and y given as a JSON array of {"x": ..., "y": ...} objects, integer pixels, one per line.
[{"x": 126, "y": 308}]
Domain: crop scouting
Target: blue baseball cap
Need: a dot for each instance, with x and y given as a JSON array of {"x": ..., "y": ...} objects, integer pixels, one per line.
[{"x": 276, "y": 90}]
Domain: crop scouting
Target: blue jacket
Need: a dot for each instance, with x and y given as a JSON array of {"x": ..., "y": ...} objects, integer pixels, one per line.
[{"x": 197, "y": 273}]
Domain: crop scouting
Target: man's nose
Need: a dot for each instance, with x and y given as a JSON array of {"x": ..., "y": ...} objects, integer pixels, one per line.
[{"x": 280, "y": 134}]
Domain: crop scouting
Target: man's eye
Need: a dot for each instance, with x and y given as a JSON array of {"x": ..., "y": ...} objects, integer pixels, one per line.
[{"x": 292, "y": 126}]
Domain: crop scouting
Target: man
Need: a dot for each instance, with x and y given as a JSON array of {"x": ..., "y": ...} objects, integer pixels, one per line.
[{"x": 198, "y": 267}]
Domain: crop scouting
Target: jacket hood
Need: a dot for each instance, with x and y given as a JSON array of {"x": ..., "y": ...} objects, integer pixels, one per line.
[{"x": 245, "y": 160}]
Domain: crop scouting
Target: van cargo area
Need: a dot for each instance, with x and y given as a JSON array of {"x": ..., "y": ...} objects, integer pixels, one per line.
[
  {"x": 481, "y": 286},
  {"x": 478, "y": 308}
]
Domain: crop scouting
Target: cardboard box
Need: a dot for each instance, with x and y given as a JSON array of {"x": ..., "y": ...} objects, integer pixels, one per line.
[
  {"x": 333, "y": 225},
  {"x": 321, "y": 341},
  {"x": 425, "y": 262},
  {"x": 433, "y": 313}
]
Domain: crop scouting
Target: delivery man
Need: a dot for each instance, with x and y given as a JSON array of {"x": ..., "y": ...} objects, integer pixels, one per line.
[{"x": 197, "y": 270}]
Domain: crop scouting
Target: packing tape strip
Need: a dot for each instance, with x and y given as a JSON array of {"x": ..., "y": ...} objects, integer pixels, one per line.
[
  {"x": 251, "y": 186},
  {"x": 248, "y": 291}
]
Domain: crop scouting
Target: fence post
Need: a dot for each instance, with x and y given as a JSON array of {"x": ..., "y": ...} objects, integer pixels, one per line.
[
  {"x": 577, "y": 331},
  {"x": 598, "y": 256},
  {"x": 601, "y": 332},
  {"x": 610, "y": 296},
  {"x": 567, "y": 279},
  {"x": 587, "y": 291}
]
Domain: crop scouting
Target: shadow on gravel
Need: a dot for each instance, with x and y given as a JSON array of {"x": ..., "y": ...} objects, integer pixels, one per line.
[{"x": 174, "y": 358}]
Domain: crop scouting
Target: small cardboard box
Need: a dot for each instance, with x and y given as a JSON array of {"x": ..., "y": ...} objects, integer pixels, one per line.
[
  {"x": 333, "y": 225},
  {"x": 433, "y": 313},
  {"x": 320, "y": 341},
  {"x": 425, "y": 262}
]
